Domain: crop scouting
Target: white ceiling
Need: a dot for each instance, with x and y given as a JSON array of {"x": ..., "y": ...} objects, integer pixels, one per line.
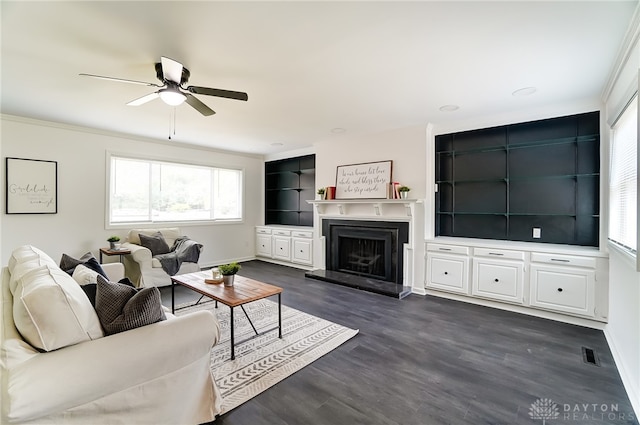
[{"x": 308, "y": 67}]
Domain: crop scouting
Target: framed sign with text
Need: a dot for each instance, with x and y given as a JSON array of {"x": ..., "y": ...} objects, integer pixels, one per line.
[
  {"x": 31, "y": 186},
  {"x": 363, "y": 181}
]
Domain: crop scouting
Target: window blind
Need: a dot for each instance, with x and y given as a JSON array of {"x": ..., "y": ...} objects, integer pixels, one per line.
[{"x": 623, "y": 189}]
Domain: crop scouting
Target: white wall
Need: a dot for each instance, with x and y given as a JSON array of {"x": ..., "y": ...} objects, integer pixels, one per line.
[
  {"x": 79, "y": 225},
  {"x": 623, "y": 329}
]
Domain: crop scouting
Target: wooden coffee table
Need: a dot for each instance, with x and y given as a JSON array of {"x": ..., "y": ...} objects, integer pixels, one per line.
[{"x": 243, "y": 291}]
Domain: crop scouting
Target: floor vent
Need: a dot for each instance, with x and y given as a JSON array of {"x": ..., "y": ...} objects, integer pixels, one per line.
[{"x": 590, "y": 357}]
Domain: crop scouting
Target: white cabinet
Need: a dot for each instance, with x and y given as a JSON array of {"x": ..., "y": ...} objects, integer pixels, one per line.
[
  {"x": 285, "y": 245},
  {"x": 263, "y": 242},
  {"x": 567, "y": 288},
  {"x": 302, "y": 247},
  {"x": 571, "y": 281},
  {"x": 448, "y": 268},
  {"x": 498, "y": 274}
]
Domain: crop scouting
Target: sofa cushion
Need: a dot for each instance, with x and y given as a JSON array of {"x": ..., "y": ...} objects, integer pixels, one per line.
[
  {"x": 121, "y": 307},
  {"x": 155, "y": 243},
  {"x": 69, "y": 264},
  {"x": 51, "y": 311},
  {"x": 24, "y": 259}
]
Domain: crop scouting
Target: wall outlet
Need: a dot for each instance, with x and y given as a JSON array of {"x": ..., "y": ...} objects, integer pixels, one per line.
[{"x": 536, "y": 233}]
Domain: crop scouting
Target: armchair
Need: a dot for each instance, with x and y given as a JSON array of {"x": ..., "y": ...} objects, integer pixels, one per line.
[{"x": 142, "y": 268}]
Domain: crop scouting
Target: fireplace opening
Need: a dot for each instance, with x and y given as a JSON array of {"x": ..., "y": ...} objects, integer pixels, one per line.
[{"x": 372, "y": 249}]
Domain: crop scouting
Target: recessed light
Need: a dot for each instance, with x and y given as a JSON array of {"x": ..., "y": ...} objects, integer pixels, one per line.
[
  {"x": 525, "y": 91},
  {"x": 338, "y": 130},
  {"x": 449, "y": 108}
]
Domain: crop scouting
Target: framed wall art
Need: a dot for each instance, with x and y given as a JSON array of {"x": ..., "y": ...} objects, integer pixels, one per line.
[
  {"x": 31, "y": 186},
  {"x": 368, "y": 180}
]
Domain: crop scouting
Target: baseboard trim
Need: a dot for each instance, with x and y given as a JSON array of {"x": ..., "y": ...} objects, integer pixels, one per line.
[{"x": 627, "y": 380}]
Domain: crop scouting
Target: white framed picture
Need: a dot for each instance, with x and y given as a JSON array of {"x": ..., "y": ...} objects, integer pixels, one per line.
[
  {"x": 369, "y": 180},
  {"x": 31, "y": 186}
]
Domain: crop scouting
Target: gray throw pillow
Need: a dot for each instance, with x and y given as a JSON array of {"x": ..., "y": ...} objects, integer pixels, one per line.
[
  {"x": 155, "y": 243},
  {"x": 69, "y": 264},
  {"x": 121, "y": 307}
]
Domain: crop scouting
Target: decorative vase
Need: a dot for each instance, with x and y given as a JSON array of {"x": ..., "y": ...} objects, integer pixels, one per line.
[
  {"x": 404, "y": 195},
  {"x": 228, "y": 279}
]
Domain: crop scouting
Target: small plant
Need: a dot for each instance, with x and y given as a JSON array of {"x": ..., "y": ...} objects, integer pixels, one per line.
[
  {"x": 321, "y": 191},
  {"x": 404, "y": 189},
  {"x": 113, "y": 239},
  {"x": 229, "y": 269}
]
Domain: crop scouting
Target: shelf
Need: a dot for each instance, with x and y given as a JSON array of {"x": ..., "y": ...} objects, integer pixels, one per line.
[
  {"x": 517, "y": 179},
  {"x": 526, "y": 145},
  {"x": 288, "y": 183}
]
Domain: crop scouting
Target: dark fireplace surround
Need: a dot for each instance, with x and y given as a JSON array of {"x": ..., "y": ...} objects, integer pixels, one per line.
[{"x": 365, "y": 254}]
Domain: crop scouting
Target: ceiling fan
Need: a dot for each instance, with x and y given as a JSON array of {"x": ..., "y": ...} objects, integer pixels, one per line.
[{"x": 172, "y": 91}]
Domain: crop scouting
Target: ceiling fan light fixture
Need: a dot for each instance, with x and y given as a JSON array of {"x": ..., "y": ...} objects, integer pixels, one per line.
[{"x": 172, "y": 97}]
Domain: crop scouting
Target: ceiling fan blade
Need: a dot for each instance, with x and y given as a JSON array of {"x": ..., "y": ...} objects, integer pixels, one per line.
[
  {"x": 218, "y": 92},
  {"x": 120, "y": 80},
  {"x": 198, "y": 106},
  {"x": 171, "y": 70},
  {"x": 144, "y": 99}
]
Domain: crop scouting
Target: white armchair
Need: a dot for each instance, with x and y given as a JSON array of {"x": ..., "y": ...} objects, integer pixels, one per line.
[{"x": 142, "y": 268}]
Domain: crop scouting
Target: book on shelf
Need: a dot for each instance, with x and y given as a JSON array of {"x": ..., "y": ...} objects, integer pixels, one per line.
[{"x": 330, "y": 192}]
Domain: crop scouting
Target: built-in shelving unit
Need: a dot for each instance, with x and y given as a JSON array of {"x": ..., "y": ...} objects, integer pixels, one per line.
[
  {"x": 504, "y": 182},
  {"x": 289, "y": 183}
]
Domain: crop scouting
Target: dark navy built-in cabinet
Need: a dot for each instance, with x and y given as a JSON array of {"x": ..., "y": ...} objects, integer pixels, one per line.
[
  {"x": 504, "y": 182},
  {"x": 289, "y": 184}
]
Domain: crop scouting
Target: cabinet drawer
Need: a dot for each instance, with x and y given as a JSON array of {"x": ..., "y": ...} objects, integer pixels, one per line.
[
  {"x": 279, "y": 232},
  {"x": 282, "y": 248},
  {"x": 301, "y": 252},
  {"x": 499, "y": 253},
  {"x": 563, "y": 260},
  {"x": 301, "y": 234},
  {"x": 499, "y": 280},
  {"x": 569, "y": 290},
  {"x": 449, "y": 273},
  {"x": 263, "y": 230},
  {"x": 263, "y": 245},
  {"x": 450, "y": 249}
]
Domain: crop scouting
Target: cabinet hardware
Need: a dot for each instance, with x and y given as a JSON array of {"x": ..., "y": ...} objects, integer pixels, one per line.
[
  {"x": 446, "y": 272},
  {"x": 559, "y": 289},
  {"x": 560, "y": 260},
  {"x": 444, "y": 249},
  {"x": 497, "y": 280},
  {"x": 496, "y": 253}
]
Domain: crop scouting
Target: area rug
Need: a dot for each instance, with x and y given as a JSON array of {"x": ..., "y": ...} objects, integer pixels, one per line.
[{"x": 265, "y": 360}]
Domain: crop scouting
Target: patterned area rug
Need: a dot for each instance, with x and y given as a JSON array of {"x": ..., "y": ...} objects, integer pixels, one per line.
[{"x": 265, "y": 360}]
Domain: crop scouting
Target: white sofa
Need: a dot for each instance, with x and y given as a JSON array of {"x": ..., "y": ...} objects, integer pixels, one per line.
[
  {"x": 142, "y": 268},
  {"x": 154, "y": 374}
]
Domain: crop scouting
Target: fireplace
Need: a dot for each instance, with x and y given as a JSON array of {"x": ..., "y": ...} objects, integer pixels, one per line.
[{"x": 365, "y": 254}]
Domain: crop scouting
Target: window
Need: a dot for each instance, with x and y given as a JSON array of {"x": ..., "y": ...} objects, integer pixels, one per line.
[
  {"x": 623, "y": 179},
  {"x": 155, "y": 191}
]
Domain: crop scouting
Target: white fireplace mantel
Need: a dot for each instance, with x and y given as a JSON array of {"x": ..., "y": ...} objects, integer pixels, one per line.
[
  {"x": 409, "y": 210},
  {"x": 379, "y": 207}
]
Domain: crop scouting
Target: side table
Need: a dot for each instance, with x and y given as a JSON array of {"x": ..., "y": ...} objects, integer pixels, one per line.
[{"x": 109, "y": 252}]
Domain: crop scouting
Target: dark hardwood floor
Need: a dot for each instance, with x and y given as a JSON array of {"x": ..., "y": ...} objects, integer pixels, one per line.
[{"x": 430, "y": 361}]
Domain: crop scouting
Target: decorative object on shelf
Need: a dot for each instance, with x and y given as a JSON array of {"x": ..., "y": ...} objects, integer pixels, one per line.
[
  {"x": 113, "y": 242},
  {"x": 216, "y": 276},
  {"x": 363, "y": 181},
  {"x": 32, "y": 186},
  {"x": 320, "y": 192},
  {"x": 228, "y": 272},
  {"x": 404, "y": 191},
  {"x": 330, "y": 193}
]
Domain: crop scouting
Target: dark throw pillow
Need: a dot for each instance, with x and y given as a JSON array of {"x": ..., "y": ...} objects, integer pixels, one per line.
[
  {"x": 69, "y": 264},
  {"x": 121, "y": 307},
  {"x": 155, "y": 243},
  {"x": 91, "y": 288}
]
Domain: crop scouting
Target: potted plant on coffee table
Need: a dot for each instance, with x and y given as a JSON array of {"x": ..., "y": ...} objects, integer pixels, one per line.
[{"x": 228, "y": 272}]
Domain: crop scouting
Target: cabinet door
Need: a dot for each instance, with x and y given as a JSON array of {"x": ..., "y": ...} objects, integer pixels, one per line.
[
  {"x": 301, "y": 252},
  {"x": 564, "y": 289},
  {"x": 263, "y": 245},
  {"x": 448, "y": 272},
  {"x": 499, "y": 280},
  {"x": 282, "y": 248}
]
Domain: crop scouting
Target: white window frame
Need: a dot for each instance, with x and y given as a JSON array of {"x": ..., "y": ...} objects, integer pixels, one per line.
[
  {"x": 613, "y": 243},
  {"x": 151, "y": 223}
]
